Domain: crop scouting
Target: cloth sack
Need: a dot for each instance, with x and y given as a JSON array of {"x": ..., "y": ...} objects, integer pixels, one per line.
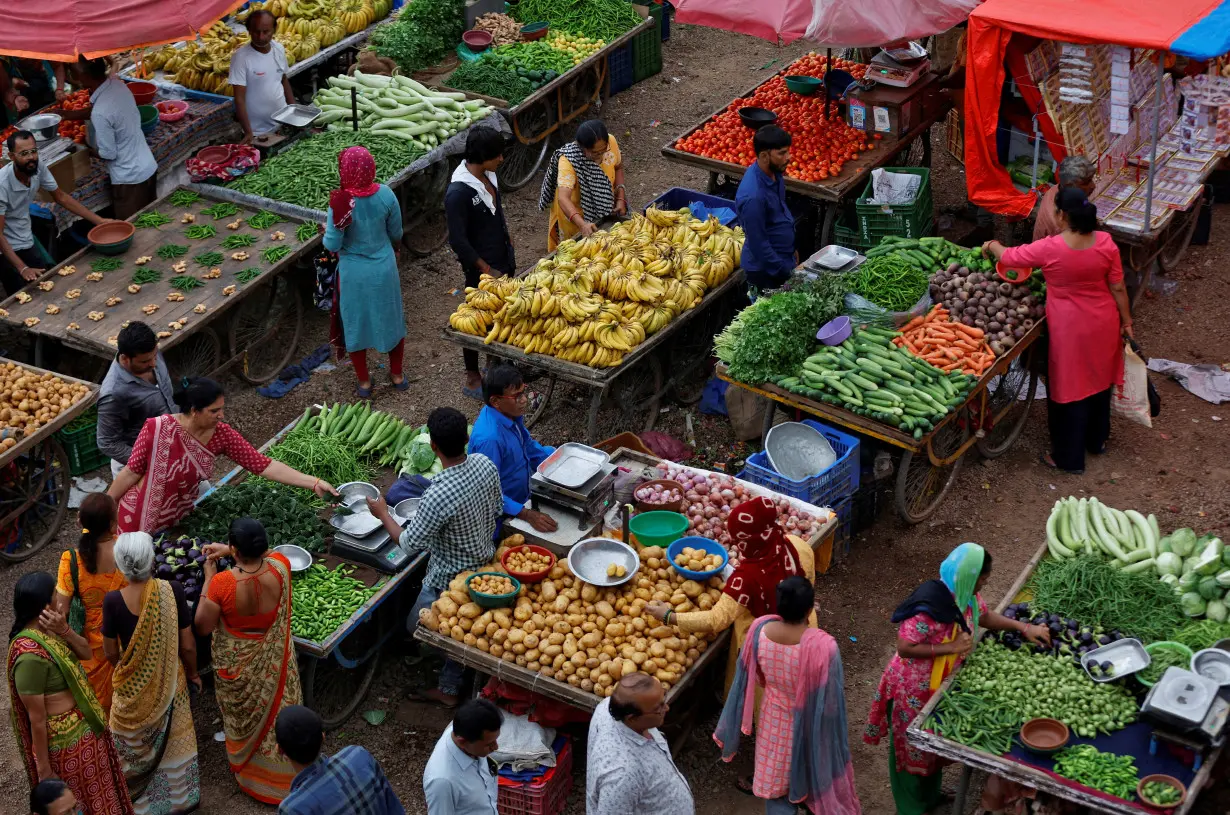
[{"x": 1131, "y": 399}]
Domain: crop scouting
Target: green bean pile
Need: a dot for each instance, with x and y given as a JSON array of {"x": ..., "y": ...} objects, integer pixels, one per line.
[
  {"x": 171, "y": 251},
  {"x": 150, "y": 219},
  {"x": 976, "y": 721},
  {"x": 1110, "y": 773},
  {"x": 222, "y": 209},
  {"x": 305, "y": 232},
  {"x": 238, "y": 241},
  {"x": 209, "y": 258},
  {"x": 146, "y": 275},
  {"x": 106, "y": 264},
  {"x": 890, "y": 282},
  {"x": 200, "y": 232},
  {"x": 1200, "y": 634},
  {"x": 1161, "y": 658},
  {"x": 306, "y": 172},
  {"x": 264, "y": 219},
  {"x": 273, "y": 254},
  {"x": 1097, "y": 593},
  {"x": 488, "y": 78},
  {"x": 325, "y": 457},
  {"x": 600, "y": 19},
  {"x": 247, "y": 276},
  {"x": 185, "y": 282},
  {"x": 183, "y": 198},
  {"x": 325, "y": 599}
]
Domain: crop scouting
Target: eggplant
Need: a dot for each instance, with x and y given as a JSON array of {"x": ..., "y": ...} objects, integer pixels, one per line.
[
  {"x": 160, "y": 559},
  {"x": 164, "y": 572},
  {"x": 1108, "y": 667}
]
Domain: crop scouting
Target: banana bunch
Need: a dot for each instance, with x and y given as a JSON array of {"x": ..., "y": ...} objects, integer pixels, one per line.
[
  {"x": 311, "y": 9},
  {"x": 483, "y": 300},
  {"x": 470, "y": 320},
  {"x": 356, "y": 15},
  {"x": 278, "y": 8}
]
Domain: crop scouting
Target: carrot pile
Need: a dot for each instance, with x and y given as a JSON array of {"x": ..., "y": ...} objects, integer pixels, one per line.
[{"x": 948, "y": 345}]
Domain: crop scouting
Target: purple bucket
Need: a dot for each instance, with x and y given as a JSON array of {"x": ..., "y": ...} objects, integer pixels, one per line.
[{"x": 835, "y": 331}]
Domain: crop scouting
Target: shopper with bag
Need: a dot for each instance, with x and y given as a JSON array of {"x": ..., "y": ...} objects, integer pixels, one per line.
[{"x": 1087, "y": 315}]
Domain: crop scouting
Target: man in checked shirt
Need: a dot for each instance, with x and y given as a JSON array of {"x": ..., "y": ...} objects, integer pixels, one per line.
[{"x": 455, "y": 523}]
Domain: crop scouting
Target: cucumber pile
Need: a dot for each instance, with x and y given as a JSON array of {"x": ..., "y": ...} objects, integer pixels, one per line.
[
  {"x": 929, "y": 254},
  {"x": 870, "y": 376}
]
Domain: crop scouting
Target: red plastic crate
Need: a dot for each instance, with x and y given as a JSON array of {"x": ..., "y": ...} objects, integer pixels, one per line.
[{"x": 543, "y": 796}]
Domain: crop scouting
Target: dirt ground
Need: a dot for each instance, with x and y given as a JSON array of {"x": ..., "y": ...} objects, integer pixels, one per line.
[{"x": 1177, "y": 469}]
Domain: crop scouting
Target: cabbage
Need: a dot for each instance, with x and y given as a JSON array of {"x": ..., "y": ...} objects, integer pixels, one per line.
[
  {"x": 1223, "y": 579},
  {"x": 1209, "y": 589},
  {"x": 1216, "y": 610},
  {"x": 1209, "y": 559},
  {"x": 1171, "y": 580},
  {"x": 1168, "y": 563},
  {"x": 1181, "y": 541},
  {"x": 1193, "y": 604},
  {"x": 421, "y": 456},
  {"x": 1189, "y": 580},
  {"x": 1225, "y": 556}
]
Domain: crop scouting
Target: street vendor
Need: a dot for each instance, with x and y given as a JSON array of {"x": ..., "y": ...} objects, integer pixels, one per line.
[
  {"x": 1074, "y": 171},
  {"x": 938, "y": 622},
  {"x": 455, "y": 522},
  {"x": 583, "y": 185},
  {"x": 500, "y": 435},
  {"x": 769, "y": 255},
  {"x": 174, "y": 455},
  {"x": 137, "y": 387},
  {"x": 22, "y": 258},
  {"x": 258, "y": 75}
]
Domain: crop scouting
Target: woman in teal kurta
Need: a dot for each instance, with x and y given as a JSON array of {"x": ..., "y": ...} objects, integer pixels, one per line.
[{"x": 364, "y": 223}]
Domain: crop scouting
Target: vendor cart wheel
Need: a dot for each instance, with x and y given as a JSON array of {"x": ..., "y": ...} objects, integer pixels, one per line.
[
  {"x": 265, "y": 330},
  {"x": 425, "y": 228},
  {"x": 521, "y": 163},
  {"x": 1013, "y": 396},
  {"x": 917, "y": 153},
  {"x": 921, "y": 485},
  {"x": 199, "y": 354},
  {"x": 690, "y": 353},
  {"x": 1176, "y": 247},
  {"x": 33, "y": 500},
  {"x": 540, "y": 388},
  {"x": 333, "y": 690},
  {"x": 633, "y": 402}
]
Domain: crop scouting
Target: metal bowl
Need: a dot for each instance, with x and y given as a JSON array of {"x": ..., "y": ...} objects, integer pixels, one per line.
[
  {"x": 44, "y": 126},
  {"x": 405, "y": 510},
  {"x": 798, "y": 451},
  {"x": 590, "y": 558},
  {"x": 356, "y": 490},
  {"x": 300, "y": 558},
  {"x": 1214, "y": 664}
]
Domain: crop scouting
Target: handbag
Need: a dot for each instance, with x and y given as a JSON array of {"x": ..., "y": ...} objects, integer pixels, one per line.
[
  {"x": 324, "y": 264},
  {"x": 76, "y": 607}
]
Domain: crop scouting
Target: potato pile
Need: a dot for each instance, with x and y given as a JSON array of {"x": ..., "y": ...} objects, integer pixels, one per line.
[
  {"x": 697, "y": 560},
  {"x": 29, "y": 400},
  {"x": 491, "y": 584},
  {"x": 528, "y": 561},
  {"x": 589, "y": 637}
]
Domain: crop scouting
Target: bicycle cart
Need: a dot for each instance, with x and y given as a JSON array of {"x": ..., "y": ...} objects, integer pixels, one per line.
[
  {"x": 34, "y": 480},
  {"x": 991, "y": 418},
  {"x": 1164, "y": 247}
]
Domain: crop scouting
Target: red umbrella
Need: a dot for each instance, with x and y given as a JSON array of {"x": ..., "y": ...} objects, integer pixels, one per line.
[{"x": 62, "y": 30}]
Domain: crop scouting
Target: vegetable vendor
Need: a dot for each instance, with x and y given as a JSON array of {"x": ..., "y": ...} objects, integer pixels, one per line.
[
  {"x": 937, "y": 624},
  {"x": 455, "y": 522},
  {"x": 137, "y": 387},
  {"x": 173, "y": 457},
  {"x": 584, "y": 184},
  {"x": 500, "y": 435},
  {"x": 1074, "y": 171},
  {"x": 769, "y": 255},
  {"x": 258, "y": 75}
]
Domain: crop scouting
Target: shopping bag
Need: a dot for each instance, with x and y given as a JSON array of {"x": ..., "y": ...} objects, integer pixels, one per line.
[{"x": 1131, "y": 399}]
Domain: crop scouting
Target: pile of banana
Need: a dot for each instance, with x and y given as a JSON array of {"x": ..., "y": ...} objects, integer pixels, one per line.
[
  {"x": 326, "y": 31},
  {"x": 599, "y": 297},
  {"x": 203, "y": 65}
]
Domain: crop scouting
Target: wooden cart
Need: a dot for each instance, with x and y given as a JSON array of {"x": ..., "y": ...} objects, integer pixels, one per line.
[
  {"x": 262, "y": 320},
  {"x": 1044, "y": 782},
  {"x": 34, "y": 481},
  {"x": 990, "y": 418},
  {"x": 1163, "y": 247}
]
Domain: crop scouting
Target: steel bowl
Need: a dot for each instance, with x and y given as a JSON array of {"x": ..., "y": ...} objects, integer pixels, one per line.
[
  {"x": 590, "y": 558},
  {"x": 355, "y": 491},
  {"x": 44, "y": 126},
  {"x": 405, "y": 510},
  {"x": 300, "y": 558},
  {"x": 1214, "y": 664}
]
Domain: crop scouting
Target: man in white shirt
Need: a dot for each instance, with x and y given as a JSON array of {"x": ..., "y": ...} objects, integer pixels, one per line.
[
  {"x": 258, "y": 75},
  {"x": 629, "y": 768},
  {"x": 118, "y": 139},
  {"x": 21, "y": 258},
  {"x": 458, "y": 778}
]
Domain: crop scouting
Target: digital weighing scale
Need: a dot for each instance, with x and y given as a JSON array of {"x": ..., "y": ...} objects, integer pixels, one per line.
[
  {"x": 888, "y": 71},
  {"x": 1186, "y": 709},
  {"x": 587, "y": 501},
  {"x": 361, "y": 538}
]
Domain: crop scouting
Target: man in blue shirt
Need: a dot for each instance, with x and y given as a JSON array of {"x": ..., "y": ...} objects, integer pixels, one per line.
[
  {"x": 768, "y": 248},
  {"x": 349, "y": 782},
  {"x": 499, "y": 434},
  {"x": 459, "y": 779}
]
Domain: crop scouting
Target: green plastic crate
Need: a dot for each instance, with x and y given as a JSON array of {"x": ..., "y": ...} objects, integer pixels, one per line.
[
  {"x": 647, "y": 52},
  {"x": 914, "y": 220},
  {"x": 81, "y": 444}
]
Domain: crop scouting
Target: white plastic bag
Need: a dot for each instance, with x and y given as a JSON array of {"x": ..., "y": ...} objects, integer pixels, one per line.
[{"x": 1131, "y": 399}]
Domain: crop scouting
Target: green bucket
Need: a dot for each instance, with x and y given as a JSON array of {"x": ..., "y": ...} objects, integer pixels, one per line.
[{"x": 658, "y": 528}]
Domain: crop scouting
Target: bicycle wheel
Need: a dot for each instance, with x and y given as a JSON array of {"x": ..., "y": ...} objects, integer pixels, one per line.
[{"x": 33, "y": 500}]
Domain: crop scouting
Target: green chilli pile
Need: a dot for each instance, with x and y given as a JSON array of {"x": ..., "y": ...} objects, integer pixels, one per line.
[
  {"x": 1110, "y": 773},
  {"x": 323, "y": 600}
]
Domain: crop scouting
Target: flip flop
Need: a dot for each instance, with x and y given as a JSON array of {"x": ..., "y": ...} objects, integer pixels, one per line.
[
  {"x": 744, "y": 785},
  {"x": 404, "y": 385},
  {"x": 420, "y": 696},
  {"x": 473, "y": 393},
  {"x": 362, "y": 392},
  {"x": 1046, "y": 460}
]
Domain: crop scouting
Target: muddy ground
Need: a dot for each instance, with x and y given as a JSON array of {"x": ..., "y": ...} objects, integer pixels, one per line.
[{"x": 1178, "y": 469}]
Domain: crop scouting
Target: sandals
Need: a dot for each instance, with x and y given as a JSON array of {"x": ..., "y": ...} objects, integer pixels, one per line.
[
  {"x": 404, "y": 385},
  {"x": 472, "y": 393},
  {"x": 1046, "y": 460},
  {"x": 362, "y": 392},
  {"x": 744, "y": 785}
]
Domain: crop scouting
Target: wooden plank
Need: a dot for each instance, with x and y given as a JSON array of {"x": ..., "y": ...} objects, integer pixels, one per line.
[
  {"x": 93, "y": 337},
  {"x": 28, "y": 443}
]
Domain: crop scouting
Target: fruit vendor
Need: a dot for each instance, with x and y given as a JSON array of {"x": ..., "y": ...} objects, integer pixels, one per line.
[
  {"x": 258, "y": 75},
  {"x": 137, "y": 387},
  {"x": 500, "y": 435},
  {"x": 768, "y": 249},
  {"x": 584, "y": 184},
  {"x": 1074, "y": 171}
]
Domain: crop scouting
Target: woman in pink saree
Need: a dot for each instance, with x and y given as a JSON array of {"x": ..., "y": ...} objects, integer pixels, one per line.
[{"x": 174, "y": 454}]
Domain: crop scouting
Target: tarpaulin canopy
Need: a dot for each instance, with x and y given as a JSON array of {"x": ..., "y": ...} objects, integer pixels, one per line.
[
  {"x": 1199, "y": 29},
  {"x": 852, "y": 23},
  {"x": 62, "y": 30}
]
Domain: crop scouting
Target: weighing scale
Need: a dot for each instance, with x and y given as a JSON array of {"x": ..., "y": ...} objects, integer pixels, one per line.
[
  {"x": 888, "y": 71},
  {"x": 588, "y": 502},
  {"x": 1186, "y": 709},
  {"x": 360, "y": 537}
]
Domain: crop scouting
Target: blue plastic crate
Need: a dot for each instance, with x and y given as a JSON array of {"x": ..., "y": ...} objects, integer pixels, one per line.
[
  {"x": 825, "y": 490},
  {"x": 667, "y": 9},
  {"x": 677, "y": 197},
  {"x": 619, "y": 70}
]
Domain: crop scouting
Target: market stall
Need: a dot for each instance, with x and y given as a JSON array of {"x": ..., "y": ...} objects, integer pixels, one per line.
[
  {"x": 34, "y": 468},
  {"x": 1125, "y": 702},
  {"x": 193, "y": 260}
]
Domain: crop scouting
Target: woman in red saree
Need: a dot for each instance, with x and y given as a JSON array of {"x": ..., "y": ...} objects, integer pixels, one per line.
[
  {"x": 174, "y": 455},
  {"x": 256, "y": 674}
]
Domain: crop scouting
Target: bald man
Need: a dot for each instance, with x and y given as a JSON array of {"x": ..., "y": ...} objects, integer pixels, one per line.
[{"x": 630, "y": 769}]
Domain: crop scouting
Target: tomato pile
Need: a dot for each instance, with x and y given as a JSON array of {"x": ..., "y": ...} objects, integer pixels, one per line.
[
  {"x": 814, "y": 65},
  {"x": 821, "y": 146},
  {"x": 74, "y": 130}
]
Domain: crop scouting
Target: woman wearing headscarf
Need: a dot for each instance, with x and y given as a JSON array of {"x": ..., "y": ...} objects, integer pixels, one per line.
[
  {"x": 147, "y": 631},
  {"x": 584, "y": 184},
  {"x": 364, "y": 225},
  {"x": 60, "y": 729},
  {"x": 802, "y": 747},
  {"x": 937, "y": 625}
]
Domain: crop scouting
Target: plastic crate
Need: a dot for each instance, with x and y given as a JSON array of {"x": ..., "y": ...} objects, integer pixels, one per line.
[
  {"x": 907, "y": 221},
  {"x": 647, "y": 51},
  {"x": 824, "y": 490},
  {"x": 955, "y": 141},
  {"x": 619, "y": 70},
  {"x": 678, "y": 197},
  {"x": 845, "y": 527},
  {"x": 81, "y": 445},
  {"x": 543, "y": 796},
  {"x": 663, "y": 12}
]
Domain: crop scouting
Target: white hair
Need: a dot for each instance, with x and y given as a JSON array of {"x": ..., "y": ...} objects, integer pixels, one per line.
[{"x": 134, "y": 556}]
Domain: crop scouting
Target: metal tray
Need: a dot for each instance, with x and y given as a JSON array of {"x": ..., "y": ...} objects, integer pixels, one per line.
[
  {"x": 360, "y": 524},
  {"x": 832, "y": 257},
  {"x": 297, "y": 115},
  {"x": 1127, "y": 655},
  {"x": 589, "y": 560},
  {"x": 572, "y": 464}
]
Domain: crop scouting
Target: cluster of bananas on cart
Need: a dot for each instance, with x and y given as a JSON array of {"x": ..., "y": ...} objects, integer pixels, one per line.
[
  {"x": 203, "y": 65},
  {"x": 599, "y": 297}
]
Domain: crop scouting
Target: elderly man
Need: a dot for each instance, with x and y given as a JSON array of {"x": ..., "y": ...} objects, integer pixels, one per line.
[
  {"x": 629, "y": 765},
  {"x": 137, "y": 387},
  {"x": 1074, "y": 171},
  {"x": 22, "y": 259},
  {"x": 458, "y": 778}
]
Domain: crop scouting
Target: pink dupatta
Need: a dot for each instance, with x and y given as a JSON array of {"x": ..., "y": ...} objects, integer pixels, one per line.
[{"x": 178, "y": 464}]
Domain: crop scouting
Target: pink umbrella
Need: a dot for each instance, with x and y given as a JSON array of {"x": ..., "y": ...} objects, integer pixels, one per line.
[{"x": 62, "y": 30}]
